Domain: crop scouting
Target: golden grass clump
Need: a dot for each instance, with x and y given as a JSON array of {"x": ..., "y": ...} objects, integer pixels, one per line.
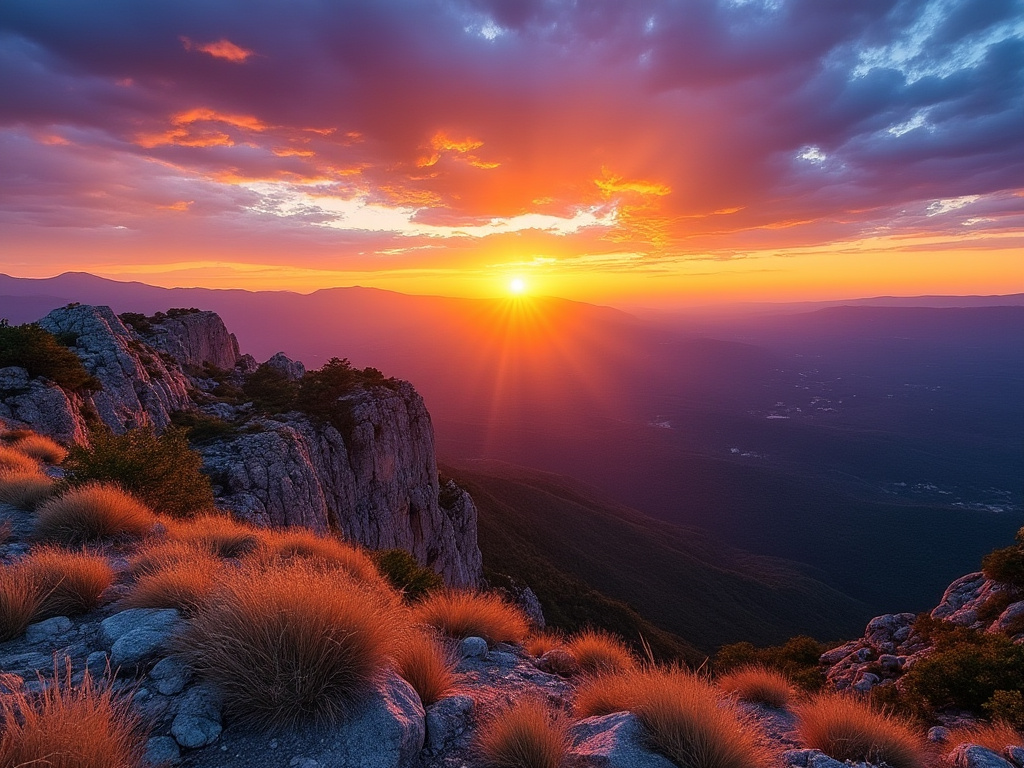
[
  {"x": 182, "y": 584},
  {"x": 758, "y": 684},
  {"x": 302, "y": 544},
  {"x": 41, "y": 448},
  {"x": 68, "y": 583},
  {"x": 527, "y": 735},
  {"x": 541, "y": 642},
  {"x": 292, "y": 642},
  {"x": 90, "y": 513},
  {"x": 847, "y": 729},
  {"x": 219, "y": 534},
  {"x": 467, "y": 614},
  {"x": 19, "y": 601},
  {"x": 996, "y": 736},
  {"x": 64, "y": 727},
  {"x": 427, "y": 665},
  {"x": 13, "y": 460},
  {"x": 25, "y": 490},
  {"x": 597, "y": 651},
  {"x": 155, "y": 556}
]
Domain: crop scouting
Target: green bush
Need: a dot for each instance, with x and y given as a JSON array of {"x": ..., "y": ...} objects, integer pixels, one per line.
[
  {"x": 319, "y": 391},
  {"x": 161, "y": 470},
  {"x": 202, "y": 428},
  {"x": 271, "y": 389},
  {"x": 405, "y": 574},
  {"x": 797, "y": 658},
  {"x": 138, "y": 321},
  {"x": 40, "y": 353},
  {"x": 1007, "y": 564},
  {"x": 965, "y": 670}
]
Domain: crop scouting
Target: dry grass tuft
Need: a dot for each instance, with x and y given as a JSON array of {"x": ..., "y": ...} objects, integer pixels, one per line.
[
  {"x": 155, "y": 556},
  {"x": 218, "y": 534},
  {"x": 90, "y": 513},
  {"x": 684, "y": 715},
  {"x": 528, "y": 735},
  {"x": 760, "y": 685},
  {"x": 184, "y": 584},
  {"x": 25, "y": 490},
  {"x": 540, "y": 643},
  {"x": 599, "y": 652},
  {"x": 68, "y": 583},
  {"x": 65, "y": 727},
  {"x": 301, "y": 544},
  {"x": 292, "y": 643},
  {"x": 427, "y": 665},
  {"x": 41, "y": 448},
  {"x": 19, "y": 601},
  {"x": 847, "y": 729},
  {"x": 14, "y": 435},
  {"x": 466, "y": 614},
  {"x": 12, "y": 460},
  {"x": 996, "y": 736},
  {"x": 6, "y": 531}
]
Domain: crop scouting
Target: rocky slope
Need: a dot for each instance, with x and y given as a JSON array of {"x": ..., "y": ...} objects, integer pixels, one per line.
[{"x": 376, "y": 484}]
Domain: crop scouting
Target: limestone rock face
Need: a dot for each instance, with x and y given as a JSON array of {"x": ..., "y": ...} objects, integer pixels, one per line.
[
  {"x": 196, "y": 338},
  {"x": 139, "y": 387},
  {"x": 376, "y": 485}
]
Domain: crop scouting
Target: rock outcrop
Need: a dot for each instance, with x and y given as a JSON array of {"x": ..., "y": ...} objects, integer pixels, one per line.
[{"x": 376, "y": 484}]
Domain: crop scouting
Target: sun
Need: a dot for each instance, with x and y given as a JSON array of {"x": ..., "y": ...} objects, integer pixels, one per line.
[{"x": 517, "y": 286}]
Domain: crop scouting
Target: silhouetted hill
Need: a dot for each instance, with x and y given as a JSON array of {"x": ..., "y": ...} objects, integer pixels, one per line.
[{"x": 555, "y": 533}]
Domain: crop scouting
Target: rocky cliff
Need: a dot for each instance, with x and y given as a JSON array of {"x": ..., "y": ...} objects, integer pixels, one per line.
[{"x": 376, "y": 484}]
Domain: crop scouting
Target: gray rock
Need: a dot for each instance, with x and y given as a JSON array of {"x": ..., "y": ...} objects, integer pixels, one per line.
[
  {"x": 303, "y": 762},
  {"x": 151, "y": 619},
  {"x": 613, "y": 741},
  {"x": 446, "y": 720},
  {"x": 796, "y": 757},
  {"x": 938, "y": 734},
  {"x": 162, "y": 750},
  {"x": 558, "y": 661},
  {"x": 138, "y": 646},
  {"x": 958, "y": 594},
  {"x": 1015, "y": 755},
  {"x": 98, "y": 663},
  {"x": 1012, "y": 615},
  {"x": 48, "y": 630},
  {"x": 170, "y": 675},
  {"x": 974, "y": 756},
  {"x": 501, "y": 658},
  {"x": 889, "y": 663},
  {"x": 473, "y": 647},
  {"x": 26, "y": 665},
  {"x": 293, "y": 369},
  {"x": 818, "y": 759},
  {"x": 866, "y": 681},
  {"x": 195, "y": 339},
  {"x": 198, "y": 722},
  {"x": 41, "y": 405}
]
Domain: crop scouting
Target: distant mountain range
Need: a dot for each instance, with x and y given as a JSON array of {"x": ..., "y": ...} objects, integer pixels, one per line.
[{"x": 878, "y": 446}]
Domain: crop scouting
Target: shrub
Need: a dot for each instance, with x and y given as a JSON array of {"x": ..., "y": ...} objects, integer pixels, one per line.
[
  {"x": 427, "y": 666},
  {"x": 160, "y": 470},
  {"x": 19, "y": 601},
  {"x": 758, "y": 684},
  {"x": 91, "y": 513},
  {"x": 185, "y": 585},
  {"x": 41, "y": 448},
  {"x": 527, "y": 735},
  {"x": 1006, "y": 565},
  {"x": 540, "y": 643},
  {"x": 218, "y": 534},
  {"x": 288, "y": 644},
  {"x": 597, "y": 651},
  {"x": 797, "y": 658},
  {"x": 466, "y": 614},
  {"x": 201, "y": 427},
  {"x": 405, "y": 574},
  {"x": 25, "y": 490},
  {"x": 13, "y": 460},
  {"x": 271, "y": 389},
  {"x": 68, "y": 583},
  {"x": 847, "y": 729},
  {"x": 1007, "y": 707},
  {"x": 303, "y": 544},
  {"x": 66, "y": 727},
  {"x": 965, "y": 669},
  {"x": 38, "y": 351}
]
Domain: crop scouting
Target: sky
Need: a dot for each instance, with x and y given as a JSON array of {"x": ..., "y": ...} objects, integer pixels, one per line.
[{"x": 659, "y": 152}]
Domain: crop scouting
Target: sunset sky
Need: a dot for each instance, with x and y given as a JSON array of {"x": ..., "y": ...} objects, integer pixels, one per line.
[{"x": 647, "y": 153}]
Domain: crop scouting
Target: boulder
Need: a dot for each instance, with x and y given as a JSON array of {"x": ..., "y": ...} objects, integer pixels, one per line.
[
  {"x": 446, "y": 720},
  {"x": 974, "y": 756},
  {"x": 617, "y": 740},
  {"x": 198, "y": 722}
]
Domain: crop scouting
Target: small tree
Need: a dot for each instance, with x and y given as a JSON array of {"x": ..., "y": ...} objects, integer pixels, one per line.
[{"x": 161, "y": 470}]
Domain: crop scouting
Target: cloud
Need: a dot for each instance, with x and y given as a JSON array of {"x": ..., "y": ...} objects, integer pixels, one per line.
[{"x": 220, "y": 49}]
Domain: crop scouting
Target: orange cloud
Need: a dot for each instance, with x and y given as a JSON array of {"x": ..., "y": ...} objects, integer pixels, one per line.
[
  {"x": 183, "y": 133},
  {"x": 221, "y": 49},
  {"x": 180, "y": 205},
  {"x": 611, "y": 185},
  {"x": 441, "y": 143}
]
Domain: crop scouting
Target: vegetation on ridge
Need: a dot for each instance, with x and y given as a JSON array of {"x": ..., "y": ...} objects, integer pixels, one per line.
[{"x": 40, "y": 353}]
